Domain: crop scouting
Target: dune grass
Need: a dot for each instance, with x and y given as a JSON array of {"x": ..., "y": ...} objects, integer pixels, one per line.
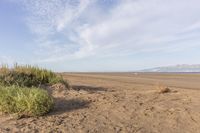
[
  {"x": 28, "y": 76},
  {"x": 25, "y": 101},
  {"x": 20, "y": 91}
]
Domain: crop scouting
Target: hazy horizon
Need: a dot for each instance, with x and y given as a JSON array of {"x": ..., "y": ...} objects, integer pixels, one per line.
[{"x": 99, "y": 35}]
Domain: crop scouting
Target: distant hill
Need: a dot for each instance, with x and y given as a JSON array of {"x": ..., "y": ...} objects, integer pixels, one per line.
[{"x": 177, "y": 68}]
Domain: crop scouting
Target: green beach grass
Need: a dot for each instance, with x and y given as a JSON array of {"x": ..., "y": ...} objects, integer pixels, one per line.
[
  {"x": 25, "y": 101},
  {"x": 28, "y": 76},
  {"x": 20, "y": 91}
]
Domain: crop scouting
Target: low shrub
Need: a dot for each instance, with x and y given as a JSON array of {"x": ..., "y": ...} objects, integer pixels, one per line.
[
  {"x": 163, "y": 88},
  {"x": 25, "y": 101}
]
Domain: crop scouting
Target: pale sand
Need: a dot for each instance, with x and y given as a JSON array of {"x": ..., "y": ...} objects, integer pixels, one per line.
[{"x": 119, "y": 103}]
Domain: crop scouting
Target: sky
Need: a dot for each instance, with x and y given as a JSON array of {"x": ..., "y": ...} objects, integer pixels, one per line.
[{"x": 99, "y": 35}]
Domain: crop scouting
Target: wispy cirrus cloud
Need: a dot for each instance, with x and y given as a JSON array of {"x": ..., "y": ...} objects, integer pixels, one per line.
[
  {"x": 55, "y": 22},
  {"x": 74, "y": 29}
]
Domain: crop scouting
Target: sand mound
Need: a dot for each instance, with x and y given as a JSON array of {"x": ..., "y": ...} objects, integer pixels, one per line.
[{"x": 57, "y": 90}]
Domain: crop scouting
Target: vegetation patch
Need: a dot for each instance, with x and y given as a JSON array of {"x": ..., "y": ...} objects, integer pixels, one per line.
[
  {"x": 25, "y": 101},
  {"x": 28, "y": 76},
  {"x": 21, "y": 90},
  {"x": 163, "y": 89}
]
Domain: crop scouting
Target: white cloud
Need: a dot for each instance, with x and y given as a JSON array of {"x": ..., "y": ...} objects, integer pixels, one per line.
[
  {"x": 132, "y": 26},
  {"x": 142, "y": 25},
  {"x": 71, "y": 13}
]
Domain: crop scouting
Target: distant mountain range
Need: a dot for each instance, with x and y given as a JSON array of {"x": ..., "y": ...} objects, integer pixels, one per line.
[{"x": 177, "y": 68}]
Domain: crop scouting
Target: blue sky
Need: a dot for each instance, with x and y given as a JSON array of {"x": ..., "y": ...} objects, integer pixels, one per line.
[{"x": 100, "y": 35}]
